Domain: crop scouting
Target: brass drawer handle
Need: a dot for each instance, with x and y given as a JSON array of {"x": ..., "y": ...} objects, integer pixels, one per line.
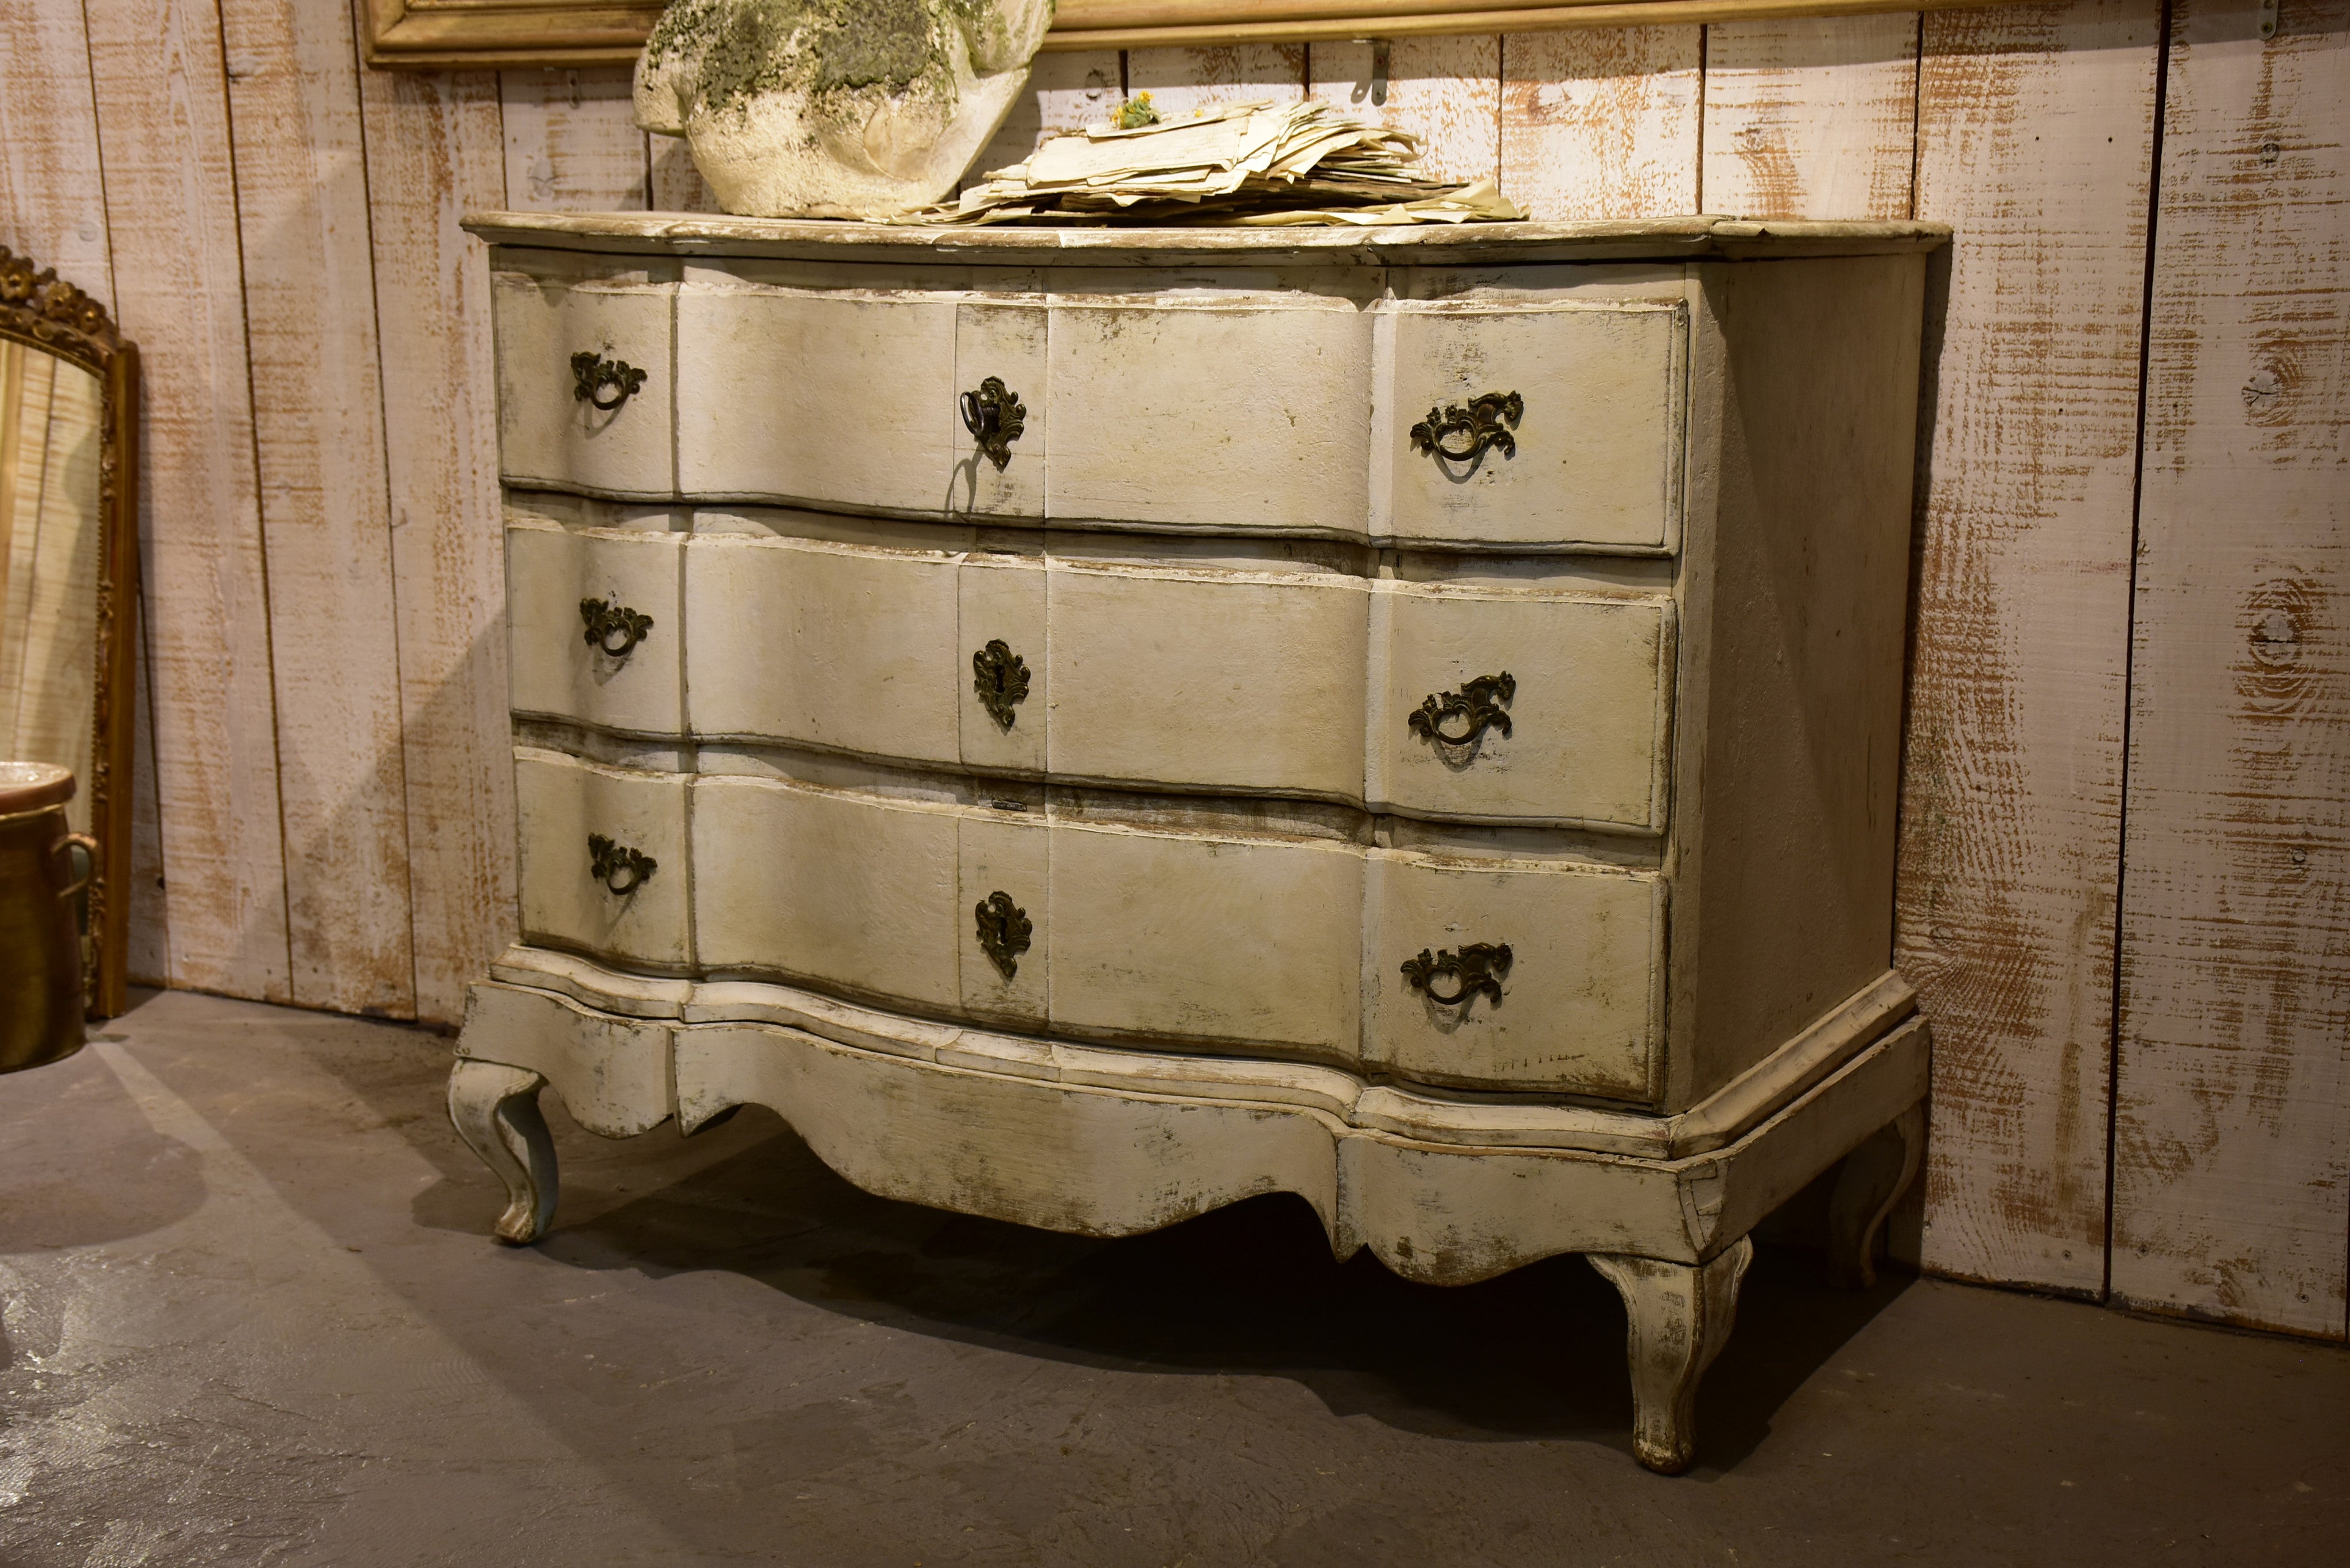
[
  {"x": 996, "y": 416},
  {"x": 1479, "y": 966},
  {"x": 1001, "y": 678},
  {"x": 621, "y": 869},
  {"x": 1478, "y": 704},
  {"x": 591, "y": 373},
  {"x": 608, "y": 622},
  {"x": 1004, "y": 931},
  {"x": 1484, "y": 422}
]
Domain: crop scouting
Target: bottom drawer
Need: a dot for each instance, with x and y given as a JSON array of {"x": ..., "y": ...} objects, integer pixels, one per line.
[
  {"x": 1282, "y": 945},
  {"x": 603, "y": 859}
]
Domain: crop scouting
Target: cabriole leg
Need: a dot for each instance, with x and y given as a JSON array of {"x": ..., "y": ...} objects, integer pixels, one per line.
[
  {"x": 1678, "y": 1315},
  {"x": 495, "y": 1108},
  {"x": 1872, "y": 1181}
]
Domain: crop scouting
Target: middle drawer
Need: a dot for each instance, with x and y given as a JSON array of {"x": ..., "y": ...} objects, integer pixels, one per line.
[{"x": 1532, "y": 703}]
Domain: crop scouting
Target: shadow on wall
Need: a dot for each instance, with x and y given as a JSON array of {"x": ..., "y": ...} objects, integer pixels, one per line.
[{"x": 401, "y": 944}]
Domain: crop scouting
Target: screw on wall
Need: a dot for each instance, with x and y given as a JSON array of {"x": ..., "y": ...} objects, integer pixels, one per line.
[{"x": 2268, "y": 18}]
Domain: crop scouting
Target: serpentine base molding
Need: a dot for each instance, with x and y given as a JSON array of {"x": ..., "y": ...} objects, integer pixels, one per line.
[{"x": 1111, "y": 1142}]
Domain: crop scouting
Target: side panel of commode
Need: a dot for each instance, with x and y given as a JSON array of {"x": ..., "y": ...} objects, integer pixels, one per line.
[{"x": 1795, "y": 610}]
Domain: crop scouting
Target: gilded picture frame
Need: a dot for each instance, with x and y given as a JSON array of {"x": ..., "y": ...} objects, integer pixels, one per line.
[{"x": 443, "y": 34}]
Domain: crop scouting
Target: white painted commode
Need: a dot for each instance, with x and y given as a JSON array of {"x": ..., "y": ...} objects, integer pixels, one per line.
[{"x": 1093, "y": 725}]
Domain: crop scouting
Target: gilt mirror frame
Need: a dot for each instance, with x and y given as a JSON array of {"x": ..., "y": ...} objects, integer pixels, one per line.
[
  {"x": 434, "y": 35},
  {"x": 43, "y": 312}
]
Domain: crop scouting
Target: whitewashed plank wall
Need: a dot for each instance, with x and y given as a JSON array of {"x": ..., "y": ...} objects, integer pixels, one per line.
[
  {"x": 324, "y": 790},
  {"x": 2232, "y": 1142}
]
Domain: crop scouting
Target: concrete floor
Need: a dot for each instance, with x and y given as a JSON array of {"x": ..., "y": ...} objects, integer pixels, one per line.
[{"x": 252, "y": 1317}]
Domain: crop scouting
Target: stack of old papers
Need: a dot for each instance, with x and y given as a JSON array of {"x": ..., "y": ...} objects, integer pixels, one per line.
[{"x": 1231, "y": 163}]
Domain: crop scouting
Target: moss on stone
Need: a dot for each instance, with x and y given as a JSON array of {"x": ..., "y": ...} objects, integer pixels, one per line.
[{"x": 824, "y": 47}]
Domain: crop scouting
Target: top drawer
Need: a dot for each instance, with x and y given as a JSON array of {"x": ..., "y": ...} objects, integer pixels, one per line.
[
  {"x": 1528, "y": 410},
  {"x": 584, "y": 376},
  {"x": 1537, "y": 417}
]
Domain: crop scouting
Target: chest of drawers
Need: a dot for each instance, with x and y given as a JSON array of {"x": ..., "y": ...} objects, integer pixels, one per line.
[{"x": 1090, "y": 726}]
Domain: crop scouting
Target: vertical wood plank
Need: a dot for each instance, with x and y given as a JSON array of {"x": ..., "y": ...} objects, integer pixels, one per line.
[
  {"x": 52, "y": 192},
  {"x": 1064, "y": 92},
  {"x": 435, "y": 149},
  {"x": 318, "y": 404},
  {"x": 1445, "y": 91},
  {"x": 1183, "y": 80},
  {"x": 2231, "y": 1162},
  {"x": 2035, "y": 141},
  {"x": 162, "y": 116},
  {"x": 147, "y": 959},
  {"x": 571, "y": 141},
  {"x": 1602, "y": 122},
  {"x": 1811, "y": 117},
  {"x": 676, "y": 185}
]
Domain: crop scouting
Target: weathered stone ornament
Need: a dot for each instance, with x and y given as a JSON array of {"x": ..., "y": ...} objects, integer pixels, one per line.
[{"x": 836, "y": 108}]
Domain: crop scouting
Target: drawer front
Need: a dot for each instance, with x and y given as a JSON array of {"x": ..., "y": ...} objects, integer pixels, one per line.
[
  {"x": 594, "y": 623},
  {"x": 851, "y": 649},
  {"x": 1580, "y": 1002},
  {"x": 1239, "y": 415},
  {"x": 1192, "y": 406},
  {"x": 1122, "y": 929},
  {"x": 1578, "y": 443},
  {"x": 1198, "y": 680},
  {"x": 852, "y": 397},
  {"x": 848, "y": 891},
  {"x": 1523, "y": 705},
  {"x": 614, "y": 439},
  {"x": 585, "y": 831},
  {"x": 1252, "y": 943},
  {"x": 1208, "y": 680}
]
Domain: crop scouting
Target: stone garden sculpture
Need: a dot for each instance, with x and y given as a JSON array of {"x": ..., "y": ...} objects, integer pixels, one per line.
[{"x": 836, "y": 108}]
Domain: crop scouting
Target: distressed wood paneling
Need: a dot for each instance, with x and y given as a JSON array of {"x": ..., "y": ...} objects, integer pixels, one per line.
[
  {"x": 2232, "y": 1164},
  {"x": 572, "y": 141},
  {"x": 51, "y": 189},
  {"x": 1182, "y": 80},
  {"x": 160, "y": 81},
  {"x": 2036, "y": 131},
  {"x": 435, "y": 149},
  {"x": 317, "y": 408},
  {"x": 1811, "y": 117},
  {"x": 1603, "y": 123},
  {"x": 1445, "y": 91}
]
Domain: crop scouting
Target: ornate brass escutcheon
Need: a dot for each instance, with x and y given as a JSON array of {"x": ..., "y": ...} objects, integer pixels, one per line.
[
  {"x": 996, "y": 416},
  {"x": 1004, "y": 931},
  {"x": 1001, "y": 678},
  {"x": 592, "y": 375},
  {"x": 1479, "y": 967},
  {"x": 620, "y": 869},
  {"x": 1484, "y": 422},
  {"x": 614, "y": 626},
  {"x": 1478, "y": 705}
]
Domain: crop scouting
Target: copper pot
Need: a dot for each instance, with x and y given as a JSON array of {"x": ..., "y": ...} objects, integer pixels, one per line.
[{"x": 41, "y": 997}]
